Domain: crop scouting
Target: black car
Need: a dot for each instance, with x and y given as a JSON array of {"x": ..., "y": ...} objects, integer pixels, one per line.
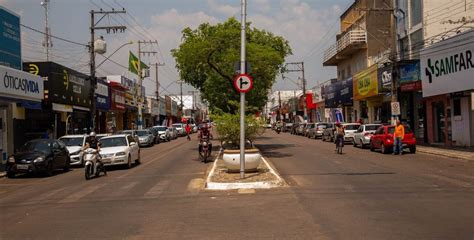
[
  {"x": 328, "y": 133},
  {"x": 40, "y": 155}
]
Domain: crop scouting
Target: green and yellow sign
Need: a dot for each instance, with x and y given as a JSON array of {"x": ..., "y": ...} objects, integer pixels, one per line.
[{"x": 366, "y": 83}]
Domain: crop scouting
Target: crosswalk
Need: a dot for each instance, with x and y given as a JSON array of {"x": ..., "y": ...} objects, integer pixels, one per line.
[{"x": 98, "y": 191}]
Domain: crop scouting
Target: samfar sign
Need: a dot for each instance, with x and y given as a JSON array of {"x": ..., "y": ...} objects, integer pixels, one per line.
[
  {"x": 21, "y": 85},
  {"x": 448, "y": 66}
]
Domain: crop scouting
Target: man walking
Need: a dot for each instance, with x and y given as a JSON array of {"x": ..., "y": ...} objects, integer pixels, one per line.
[
  {"x": 188, "y": 131},
  {"x": 398, "y": 136}
]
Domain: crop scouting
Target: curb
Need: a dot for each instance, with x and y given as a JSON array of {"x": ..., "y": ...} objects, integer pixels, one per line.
[
  {"x": 444, "y": 154},
  {"x": 251, "y": 185}
]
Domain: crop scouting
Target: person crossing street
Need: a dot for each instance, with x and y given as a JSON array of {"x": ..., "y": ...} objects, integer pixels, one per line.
[{"x": 188, "y": 131}]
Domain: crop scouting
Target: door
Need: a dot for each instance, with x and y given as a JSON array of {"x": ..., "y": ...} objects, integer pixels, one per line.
[
  {"x": 377, "y": 137},
  {"x": 134, "y": 148},
  {"x": 58, "y": 159}
]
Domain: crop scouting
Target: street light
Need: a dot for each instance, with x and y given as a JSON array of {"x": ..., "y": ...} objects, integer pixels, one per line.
[{"x": 107, "y": 58}]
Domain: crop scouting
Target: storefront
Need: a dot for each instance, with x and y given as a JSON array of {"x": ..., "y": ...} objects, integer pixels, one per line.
[
  {"x": 102, "y": 105},
  {"x": 448, "y": 90},
  {"x": 162, "y": 112},
  {"x": 410, "y": 97},
  {"x": 371, "y": 103},
  {"x": 117, "y": 107},
  {"x": 20, "y": 92},
  {"x": 67, "y": 100},
  {"x": 151, "y": 112}
]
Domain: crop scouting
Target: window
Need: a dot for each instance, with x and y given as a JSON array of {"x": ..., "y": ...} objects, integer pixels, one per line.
[
  {"x": 415, "y": 13},
  {"x": 416, "y": 43},
  {"x": 457, "y": 107}
]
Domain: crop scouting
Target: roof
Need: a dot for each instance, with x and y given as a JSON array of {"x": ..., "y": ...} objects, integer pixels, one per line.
[
  {"x": 73, "y": 136},
  {"x": 114, "y": 136}
]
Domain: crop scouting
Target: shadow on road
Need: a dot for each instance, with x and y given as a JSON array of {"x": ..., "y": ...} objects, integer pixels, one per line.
[{"x": 268, "y": 150}]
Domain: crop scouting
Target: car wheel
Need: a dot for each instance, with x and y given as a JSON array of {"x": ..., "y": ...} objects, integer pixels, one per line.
[
  {"x": 49, "y": 169},
  {"x": 384, "y": 149},
  {"x": 129, "y": 162},
  {"x": 10, "y": 174},
  {"x": 413, "y": 149},
  {"x": 137, "y": 162},
  {"x": 68, "y": 165},
  {"x": 361, "y": 144}
]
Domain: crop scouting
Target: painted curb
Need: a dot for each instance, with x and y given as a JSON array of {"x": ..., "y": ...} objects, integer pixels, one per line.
[
  {"x": 251, "y": 185},
  {"x": 444, "y": 154}
]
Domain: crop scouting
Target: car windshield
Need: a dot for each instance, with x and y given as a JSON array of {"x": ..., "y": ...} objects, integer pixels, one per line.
[
  {"x": 161, "y": 129},
  {"x": 177, "y": 125},
  {"x": 36, "y": 146},
  {"x": 371, "y": 127},
  {"x": 73, "y": 141},
  {"x": 143, "y": 133},
  {"x": 351, "y": 127},
  {"x": 113, "y": 142},
  {"x": 126, "y": 132},
  {"x": 320, "y": 127}
]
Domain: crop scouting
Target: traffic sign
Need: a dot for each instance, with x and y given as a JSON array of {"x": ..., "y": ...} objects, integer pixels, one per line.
[
  {"x": 395, "y": 108},
  {"x": 243, "y": 83}
]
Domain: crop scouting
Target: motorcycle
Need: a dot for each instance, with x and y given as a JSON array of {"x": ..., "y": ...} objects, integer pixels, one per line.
[
  {"x": 278, "y": 130},
  {"x": 93, "y": 166},
  {"x": 204, "y": 150}
]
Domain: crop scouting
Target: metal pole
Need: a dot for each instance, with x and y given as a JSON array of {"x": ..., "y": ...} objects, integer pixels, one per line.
[
  {"x": 139, "y": 94},
  {"x": 304, "y": 94},
  {"x": 92, "y": 72},
  {"x": 242, "y": 95}
]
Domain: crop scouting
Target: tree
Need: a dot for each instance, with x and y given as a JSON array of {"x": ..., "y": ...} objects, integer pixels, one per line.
[{"x": 207, "y": 55}]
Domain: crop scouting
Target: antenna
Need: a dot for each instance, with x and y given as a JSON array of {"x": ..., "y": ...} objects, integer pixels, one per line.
[{"x": 47, "y": 37}]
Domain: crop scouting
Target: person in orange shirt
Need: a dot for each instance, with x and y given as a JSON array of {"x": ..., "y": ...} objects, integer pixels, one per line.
[{"x": 398, "y": 136}]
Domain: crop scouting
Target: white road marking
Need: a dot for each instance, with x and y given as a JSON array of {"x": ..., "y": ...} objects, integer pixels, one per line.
[
  {"x": 45, "y": 196},
  {"x": 78, "y": 195},
  {"x": 157, "y": 189}
]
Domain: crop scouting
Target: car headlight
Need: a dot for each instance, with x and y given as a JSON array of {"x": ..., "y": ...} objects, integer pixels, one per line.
[
  {"x": 11, "y": 159},
  {"x": 75, "y": 153},
  {"x": 38, "y": 160},
  {"x": 120, "y": 154}
]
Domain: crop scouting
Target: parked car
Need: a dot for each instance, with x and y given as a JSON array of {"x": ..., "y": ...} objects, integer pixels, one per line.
[
  {"x": 293, "y": 128},
  {"x": 328, "y": 133},
  {"x": 156, "y": 135},
  {"x": 163, "y": 132},
  {"x": 173, "y": 133},
  {"x": 363, "y": 135},
  {"x": 40, "y": 155},
  {"x": 349, "y": 130},
  {"x": 308, "y": 127},
  {"x": 75, "y": 145},
  {"x": 101, "y": 135},
  {"x": 180, "y": 128},
  {"x": 317, "y": 130},
  {"x": 121, "y": 149},
  {"x": 145, "y": 138},
  {"x": 288, "y": 127},
  {"x": 194, "y": 128},
  {"x": 130, "y": 132},
  {"x": 383, "y": 139}
]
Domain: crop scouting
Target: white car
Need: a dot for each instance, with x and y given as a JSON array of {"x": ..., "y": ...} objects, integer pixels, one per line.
[
  {"x": 349, "y": 130},
  {"x": 119, "y": 150},
  {"x": 180, "y": 128},
  {"x": 364, "y": 134},
  {"x": 75, "y": 144},
  {"x": 164, "y": 133}
]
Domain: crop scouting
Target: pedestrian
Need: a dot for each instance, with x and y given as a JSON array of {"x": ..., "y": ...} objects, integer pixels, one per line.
[
  {"x": 398, "y": 136},
  {"x": 188, "y": 131}
]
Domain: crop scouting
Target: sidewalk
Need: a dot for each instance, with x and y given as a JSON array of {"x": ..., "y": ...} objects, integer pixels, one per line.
[{"x": 466, "y": 154}]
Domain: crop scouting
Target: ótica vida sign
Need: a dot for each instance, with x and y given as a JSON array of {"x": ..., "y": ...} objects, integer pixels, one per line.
[
  {"x": 243, "y": 83},
  {"x": 448, "y": 66},
  {"x": 21, "y": 85}
]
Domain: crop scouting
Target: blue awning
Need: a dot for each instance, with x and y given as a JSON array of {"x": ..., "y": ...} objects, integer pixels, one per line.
[{"x": 31, "y": 105}]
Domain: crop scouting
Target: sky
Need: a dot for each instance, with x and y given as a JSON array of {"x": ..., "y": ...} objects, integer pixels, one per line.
[{"x": 310, "y": 26}]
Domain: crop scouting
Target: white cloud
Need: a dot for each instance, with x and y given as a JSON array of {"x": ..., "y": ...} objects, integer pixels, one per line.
[{"x": 223, "y": 9}]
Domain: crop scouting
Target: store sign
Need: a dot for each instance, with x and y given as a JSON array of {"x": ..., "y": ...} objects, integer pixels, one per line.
[
  {"x": 21, "y": 85},
  {"x": 118, "y": 100},
  {"x": 10, "y": 39},
  {"x": 339, "y": 93},
  {"x": 162, "y": 106},
  {"x": 366, "y": 83},
  {"x": 384, "y": 75},
  {"x": 64, "y": 85},
  {"x": 411, "y": 86},
  {"x": 409, "y": 72},
  {"x": 448, "y": 66}
]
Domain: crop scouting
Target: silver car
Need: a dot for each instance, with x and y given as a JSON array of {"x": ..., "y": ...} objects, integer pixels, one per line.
[
  {"x": 173, "y": 132},
  {"x": 317, "y": 132},
  {"x": 180, "y": 128},
  {"x": 349, "y": 130},
  {"x": 145, "y": 138},
  {"x": 75, "y": 144},
  {"x": 164, "y": 133},
  {"x": 363, "y": 134}
]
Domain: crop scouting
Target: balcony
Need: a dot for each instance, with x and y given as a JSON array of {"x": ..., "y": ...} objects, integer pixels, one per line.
[{"x": 350, "y": 42}]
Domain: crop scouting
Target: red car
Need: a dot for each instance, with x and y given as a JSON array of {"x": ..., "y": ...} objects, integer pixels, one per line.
[{"x": 383, "y": 139}]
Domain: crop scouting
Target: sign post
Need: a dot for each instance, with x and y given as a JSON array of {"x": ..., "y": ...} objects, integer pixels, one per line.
[{"x": 242, "y": 85}]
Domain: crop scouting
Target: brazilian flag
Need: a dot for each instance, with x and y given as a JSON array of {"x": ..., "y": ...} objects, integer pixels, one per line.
[{"x": 133, "y": 64}]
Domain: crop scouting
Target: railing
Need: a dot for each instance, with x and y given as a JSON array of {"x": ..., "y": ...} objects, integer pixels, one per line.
[{"x": 351, "y": 37}]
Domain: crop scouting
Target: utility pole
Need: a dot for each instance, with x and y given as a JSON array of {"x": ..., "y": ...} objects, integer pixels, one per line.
[
  {"x": 279, "y": 105},
  {"x": 47, "y": 37},
  {"x": 94, "y": 27},
  {"x": 299, "y": 67},
  {"x": 243, "y": 70},
  {"x": 157, "y": 93},
  {"x": 180, "y": 82},
  {"x": 140, "y": 80}
]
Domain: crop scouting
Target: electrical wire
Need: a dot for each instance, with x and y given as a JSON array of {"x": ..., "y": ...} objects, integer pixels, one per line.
[{"x": 52, "y": 36}]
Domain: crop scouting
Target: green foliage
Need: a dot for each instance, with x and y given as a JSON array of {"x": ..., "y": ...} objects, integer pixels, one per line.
[
  {"x": 207, "y": 55},
  {"x": 228, "y": 129}
]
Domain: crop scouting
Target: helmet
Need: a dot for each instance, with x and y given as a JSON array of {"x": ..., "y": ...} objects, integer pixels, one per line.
[
  {"x": 92, "y": 134},
  {"x": 338, "y": 124}
]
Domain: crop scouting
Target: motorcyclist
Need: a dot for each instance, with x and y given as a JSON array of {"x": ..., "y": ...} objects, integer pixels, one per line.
[
  {"x": 278, "y": 126},
  {"x": 94, "y": 144},
  {"x": 205, "y": 135}
]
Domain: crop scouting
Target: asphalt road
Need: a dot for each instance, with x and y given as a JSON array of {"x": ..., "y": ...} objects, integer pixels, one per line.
[{"x": 357, "y": 195}]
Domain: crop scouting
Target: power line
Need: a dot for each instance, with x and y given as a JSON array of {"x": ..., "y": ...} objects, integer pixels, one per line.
[{"x": 59, "y": 38}]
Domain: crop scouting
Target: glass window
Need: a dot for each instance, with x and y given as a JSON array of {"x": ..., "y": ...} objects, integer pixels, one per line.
[
  {"x": 415, "y": 13},
  {"x": 417, "y": 43},
  {"x": 457, "y": 107},
  {"x": 371, "y": 127},
  {"x": 73, "y": 141},
  {"x": 113, "y": 142}
]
